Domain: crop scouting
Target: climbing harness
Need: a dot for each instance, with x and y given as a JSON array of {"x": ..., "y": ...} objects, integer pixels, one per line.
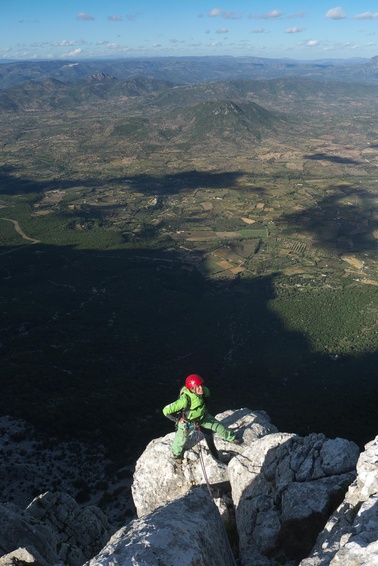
[
  {"x": 184, "y": 413},
  {"x": 198, "y": 428}
]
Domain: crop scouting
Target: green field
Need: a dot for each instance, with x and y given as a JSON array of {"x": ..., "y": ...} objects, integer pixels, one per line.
[{"x": 261, "y": 233}]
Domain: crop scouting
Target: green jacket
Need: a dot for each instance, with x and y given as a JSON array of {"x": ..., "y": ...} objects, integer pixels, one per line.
[{"x": 195, "y": 405}]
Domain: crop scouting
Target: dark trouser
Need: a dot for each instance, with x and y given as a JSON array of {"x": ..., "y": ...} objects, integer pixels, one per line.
[{"x": 209, "y": 437}]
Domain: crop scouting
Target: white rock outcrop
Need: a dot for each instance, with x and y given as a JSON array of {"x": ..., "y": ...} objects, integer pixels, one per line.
[
  {"x": 351, "y": 534},
  {"x": 280, "y": 487},
  {"x": 282, "y": 499},
  {"x": 158, "y": 479},
  {"x": 187, "y": 532},
  {"x": 284, "y": 488}
]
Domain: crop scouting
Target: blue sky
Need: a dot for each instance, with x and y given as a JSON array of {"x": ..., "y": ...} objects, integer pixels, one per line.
[{"x": 83, "y": 29}]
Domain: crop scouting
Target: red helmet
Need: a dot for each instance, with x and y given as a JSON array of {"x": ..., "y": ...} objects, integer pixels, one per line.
[{"x": 193, "y": 380}]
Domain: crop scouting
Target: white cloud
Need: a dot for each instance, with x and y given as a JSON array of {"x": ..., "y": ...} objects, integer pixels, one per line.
[
  {"x": 115, "y": 18},
  {"x": 222, "y": 30},
  {"x": 66, "y": 43},
  {"x": 84, "y": 16},
  {"x": 341, "y": 46},
  {"x": 336, "y": 14},
  {"x": 297, "y": 15},
  {"x": 215, "y": 12},
  {"x": 259, "y": 30},
  {"x": 309, "y": 43},
  {"x": 294, "y": 30},
  {"x": 72, "y": 53},
  {"x": 268, "y": 16},
  {"x": 231, "y": 15},
  {"x": 367, "y": 16}
]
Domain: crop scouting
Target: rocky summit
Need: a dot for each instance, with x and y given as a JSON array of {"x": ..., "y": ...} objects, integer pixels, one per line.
[{"x": 277, "y": 498}]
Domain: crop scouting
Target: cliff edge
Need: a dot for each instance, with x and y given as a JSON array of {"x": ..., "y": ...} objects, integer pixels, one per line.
[{"x": 277, "y": 499}]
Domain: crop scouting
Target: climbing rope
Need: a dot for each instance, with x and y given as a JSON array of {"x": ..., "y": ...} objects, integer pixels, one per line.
[
  {"x": 231, "y": 555},
  {"x": 202, "y": 460}
]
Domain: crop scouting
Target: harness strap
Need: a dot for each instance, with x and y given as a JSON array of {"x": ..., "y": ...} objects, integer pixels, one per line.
[{"x": 185, "y": 412}]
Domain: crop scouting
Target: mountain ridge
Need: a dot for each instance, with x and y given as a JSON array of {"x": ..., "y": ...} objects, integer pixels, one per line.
[
  {"x": 193, "y": 69},
  {"x": 52, "y": 93}
]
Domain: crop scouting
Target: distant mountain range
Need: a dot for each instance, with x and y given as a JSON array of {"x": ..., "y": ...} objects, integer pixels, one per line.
[
  {"x": 192, "y": 70},
  {"x": 222, "y": 116},
  {"x": 147, "y": 114},
  {"x": 154, "y": 95},
  {"x": 53, "y": 94}
]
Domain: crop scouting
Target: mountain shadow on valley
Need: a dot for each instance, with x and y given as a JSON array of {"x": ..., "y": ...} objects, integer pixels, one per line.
[
  {"x": 331, "y": 158},
  {"x": 343, "y": 221},
  {"x": 13, "y": 183},
  {"x": 94, "y": 343}
]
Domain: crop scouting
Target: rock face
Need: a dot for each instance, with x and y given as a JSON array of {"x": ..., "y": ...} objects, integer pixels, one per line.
[
  {"x": 188, "y": 532},
  {"x": 284, "y": 488},
  {"x": 281, "y": 498},
  {"x": 279, "y": 488},
  {"x": 158, "y": 479},
  {"x": 351, "y": 534},
  {"x": 52, "y": 529}
]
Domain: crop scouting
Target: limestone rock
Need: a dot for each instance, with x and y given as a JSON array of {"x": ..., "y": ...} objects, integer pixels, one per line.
[
  {"x": 158, "y": 479},
  {"x": 56, "y": 529},
  {"x": 278, "y": 489},
  {"x": 248, "y": 426},
  {"x": 351, "y": 534},
  {"x": 23, "y": 557},
  {"x": 188, "y": 532},
  {"x": 284, "y": 488}
]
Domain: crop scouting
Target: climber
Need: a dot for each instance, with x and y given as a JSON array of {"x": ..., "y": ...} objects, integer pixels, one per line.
[{"x": 189, "y": 409}]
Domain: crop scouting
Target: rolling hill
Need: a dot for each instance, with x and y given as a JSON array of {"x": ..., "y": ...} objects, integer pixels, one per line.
[
  {"x": 193, "y": 69},
  {"x": 148, "y": 95},
  {"x": 53, "y": 94}
]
